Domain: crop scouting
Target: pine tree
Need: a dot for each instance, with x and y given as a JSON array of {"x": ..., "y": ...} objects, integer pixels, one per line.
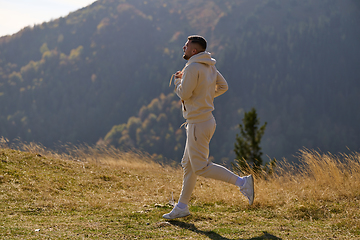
[{"x": 247, "y": 145}]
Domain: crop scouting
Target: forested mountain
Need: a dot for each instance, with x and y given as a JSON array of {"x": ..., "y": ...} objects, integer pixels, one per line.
[{"x": 102, "y": 72}]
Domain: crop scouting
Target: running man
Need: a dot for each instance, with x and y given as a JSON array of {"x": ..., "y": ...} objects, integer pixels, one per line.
[{"x": 197, "y": 85}]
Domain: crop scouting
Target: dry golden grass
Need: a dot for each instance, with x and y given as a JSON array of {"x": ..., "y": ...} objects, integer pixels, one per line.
[
  {"x": 103, "y": 193},
  {"x": 319, "y": 177}
]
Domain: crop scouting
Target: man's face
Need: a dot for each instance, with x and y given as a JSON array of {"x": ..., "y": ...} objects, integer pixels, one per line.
[{"x": 189, "y": 50}]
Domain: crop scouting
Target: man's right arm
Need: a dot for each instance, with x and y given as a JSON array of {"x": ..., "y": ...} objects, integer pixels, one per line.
[{"x": 185, "y": 86}]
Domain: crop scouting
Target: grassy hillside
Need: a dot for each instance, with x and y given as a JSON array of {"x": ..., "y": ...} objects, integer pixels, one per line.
[{"x": 106, "y": 194}]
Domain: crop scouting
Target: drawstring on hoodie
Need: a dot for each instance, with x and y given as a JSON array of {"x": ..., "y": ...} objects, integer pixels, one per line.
[
  {"x": 172, "y": 76},
  {"x": 184, "y": 124},
  {"x": 171, "y": 79}
]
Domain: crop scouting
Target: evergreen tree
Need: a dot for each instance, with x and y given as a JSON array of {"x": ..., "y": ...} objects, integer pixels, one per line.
[{"x": 247, "y": 145}]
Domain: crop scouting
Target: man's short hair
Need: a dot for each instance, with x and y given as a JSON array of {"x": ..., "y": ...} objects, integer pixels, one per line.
[{"x": 199, "y": 40}]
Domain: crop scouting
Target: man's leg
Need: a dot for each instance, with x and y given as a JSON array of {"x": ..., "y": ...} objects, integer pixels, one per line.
[
  {"x": 181, "y": 208},
  {"x": 195, "y": 162},
  {"x": 199, "y": 136},
  {"x": 189, "y": 179}
]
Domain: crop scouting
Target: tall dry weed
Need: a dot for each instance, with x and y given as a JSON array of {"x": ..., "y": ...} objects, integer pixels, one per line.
[
  {"x": 4, "y": 142},
  {"x": 318, "y": 177}
]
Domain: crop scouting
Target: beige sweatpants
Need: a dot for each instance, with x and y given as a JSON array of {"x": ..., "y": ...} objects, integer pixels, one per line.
[{"x": 195, "y": 161}]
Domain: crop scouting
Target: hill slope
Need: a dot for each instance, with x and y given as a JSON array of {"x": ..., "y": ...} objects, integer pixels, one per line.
[
  {"x": 82, "y": 77},
  {"x": 107, "y": 194}
]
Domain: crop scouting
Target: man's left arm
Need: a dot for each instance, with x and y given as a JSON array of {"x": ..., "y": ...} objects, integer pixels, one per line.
[{"x": 221, "y": 85}]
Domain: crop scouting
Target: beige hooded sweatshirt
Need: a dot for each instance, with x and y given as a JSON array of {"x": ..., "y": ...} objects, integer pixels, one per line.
[{"x": 200, "y": 84}]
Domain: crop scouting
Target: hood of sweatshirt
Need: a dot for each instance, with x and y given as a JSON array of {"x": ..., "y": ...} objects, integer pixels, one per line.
[{"x": 203, "y": 57}]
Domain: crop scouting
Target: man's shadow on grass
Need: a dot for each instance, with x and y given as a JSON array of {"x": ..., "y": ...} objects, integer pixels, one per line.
[{"x": 215, "y": 236}]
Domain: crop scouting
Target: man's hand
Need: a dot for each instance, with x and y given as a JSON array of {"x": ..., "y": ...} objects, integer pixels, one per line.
[{"x": 178, "y": 74}]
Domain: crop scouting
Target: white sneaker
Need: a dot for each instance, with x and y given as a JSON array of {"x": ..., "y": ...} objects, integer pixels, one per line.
[
  {"x": 248, "y": 189},
  {"x": 177, "y": 213}
]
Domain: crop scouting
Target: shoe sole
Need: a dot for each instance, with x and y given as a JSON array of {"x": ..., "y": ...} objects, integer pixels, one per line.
[{"x": 177, "y": 217}]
